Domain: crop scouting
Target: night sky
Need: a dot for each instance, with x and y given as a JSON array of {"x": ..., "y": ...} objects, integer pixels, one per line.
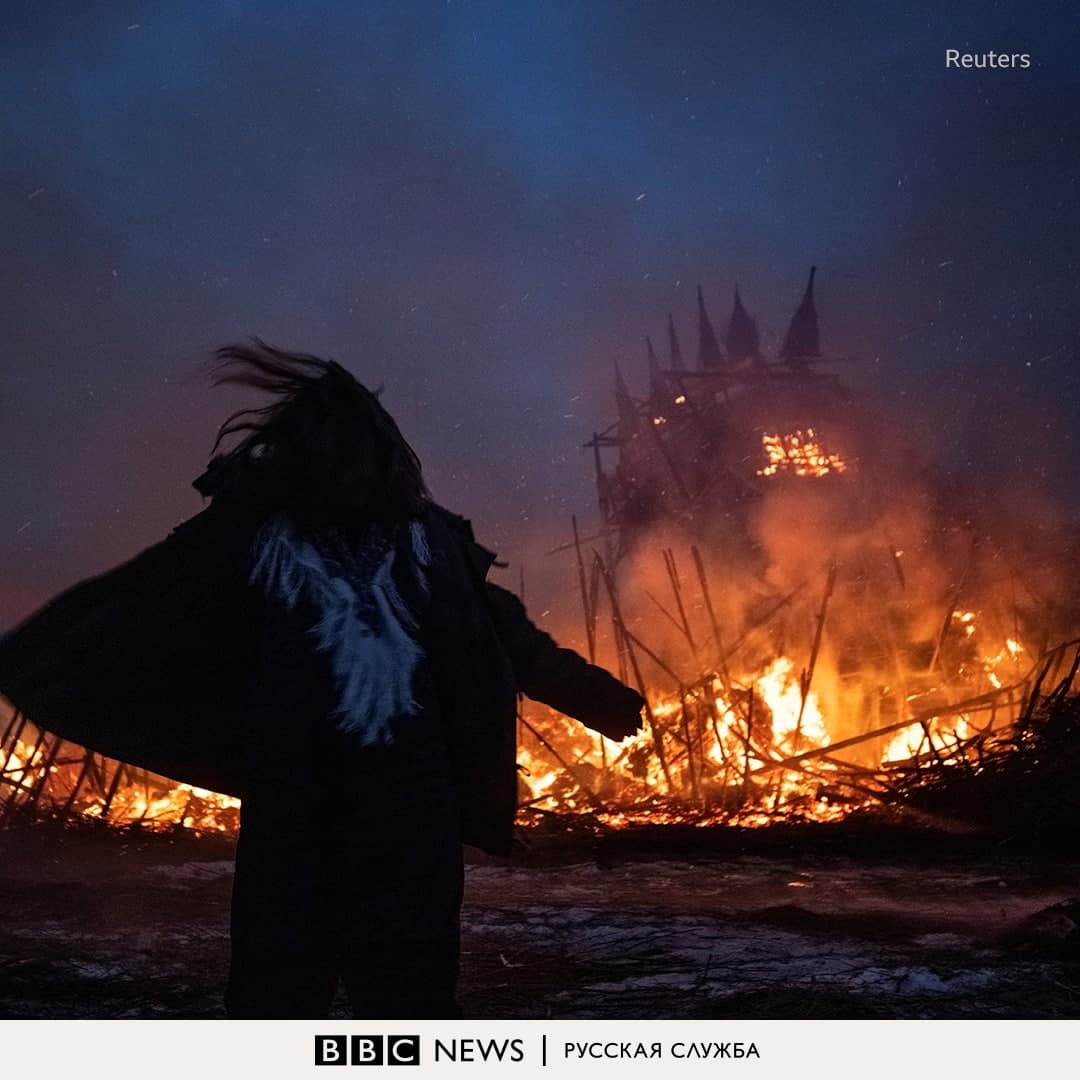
[{"x": 480, "y": 205}]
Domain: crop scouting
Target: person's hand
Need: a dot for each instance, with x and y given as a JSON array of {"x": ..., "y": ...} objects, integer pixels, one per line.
[{"x": 624, "y": 717}]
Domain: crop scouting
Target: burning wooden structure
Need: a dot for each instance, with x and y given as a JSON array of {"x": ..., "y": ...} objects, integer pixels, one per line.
[
  {"x": 705, "y": 439},
  {"x": 809, "y": 611}
]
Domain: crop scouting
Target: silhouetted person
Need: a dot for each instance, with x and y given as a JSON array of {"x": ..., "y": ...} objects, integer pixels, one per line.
[{"x": 322, "y": 641}]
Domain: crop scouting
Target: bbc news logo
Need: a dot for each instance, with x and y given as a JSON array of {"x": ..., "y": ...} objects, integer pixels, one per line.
[{"x": 367, "y": 1049}]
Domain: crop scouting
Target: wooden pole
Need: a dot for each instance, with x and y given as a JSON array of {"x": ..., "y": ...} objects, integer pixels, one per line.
[
  {"x": 808, "y": 678},
  {"x": 664, "y": 611},
  {"x": 980, "y": 702},
  {"x": 46, "y": 772},
  {"x": 676, "y": 588},
  {"x": 618, "y": 627},
  {"x": 954, "y": 601},
  {"x": 588, "y": 792},
  {"x": 87, "y": 764},
  {"x": 689, "y": 740},
  {"x": 654, "y": 729},
  {"x": 9, "y": 729},
  {"x": 113, "y": 788},
  {"x": 746, "y": 749},
  {"x": 714, "y": 623},
  {"x": 586, "y": 610},
  {"x": 20, "y": 786}
]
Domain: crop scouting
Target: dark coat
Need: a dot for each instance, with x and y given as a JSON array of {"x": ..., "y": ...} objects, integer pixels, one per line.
[{"x": 150, "y": 663}]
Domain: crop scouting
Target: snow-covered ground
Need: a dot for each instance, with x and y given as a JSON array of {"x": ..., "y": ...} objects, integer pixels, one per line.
[{"x": 111, "y": 928}]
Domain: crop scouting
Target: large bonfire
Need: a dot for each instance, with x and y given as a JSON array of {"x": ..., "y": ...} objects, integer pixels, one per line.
[
  {"x": 815, "y": 613},
  {"x": 812, "y": 613}
]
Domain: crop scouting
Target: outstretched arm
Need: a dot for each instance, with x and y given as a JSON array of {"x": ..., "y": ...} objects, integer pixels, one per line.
[{"x": 560, "y": 677}]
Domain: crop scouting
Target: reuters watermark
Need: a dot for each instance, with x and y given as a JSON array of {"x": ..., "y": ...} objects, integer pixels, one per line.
[{"x": 954, "y": 58}]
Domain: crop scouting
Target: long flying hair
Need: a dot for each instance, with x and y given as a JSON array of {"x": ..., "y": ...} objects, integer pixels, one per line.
[{"x": 323, "y": 449}]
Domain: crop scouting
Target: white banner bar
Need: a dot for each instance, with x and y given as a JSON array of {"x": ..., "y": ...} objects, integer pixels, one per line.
[{"x": 763, "y": 1050}]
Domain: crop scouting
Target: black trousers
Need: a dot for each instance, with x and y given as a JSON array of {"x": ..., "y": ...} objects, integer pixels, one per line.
[{"x": 352, "y": 872}]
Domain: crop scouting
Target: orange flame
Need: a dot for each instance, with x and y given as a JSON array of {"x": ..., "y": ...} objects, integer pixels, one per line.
[
  {"x": 799, "y": 454},
  {"x": 717, "y": 752}
]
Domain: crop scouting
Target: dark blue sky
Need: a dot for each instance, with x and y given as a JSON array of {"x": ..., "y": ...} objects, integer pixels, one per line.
[{"x": 481, "y": 204}]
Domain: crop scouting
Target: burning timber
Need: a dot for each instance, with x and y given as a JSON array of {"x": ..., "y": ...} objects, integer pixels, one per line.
[
  {"x": 45, "y": 775},
  {"x": 982, "y": 760},
  {"x": 811, "y": 609}
]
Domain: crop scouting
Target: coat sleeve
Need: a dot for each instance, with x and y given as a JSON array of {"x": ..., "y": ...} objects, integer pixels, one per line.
[
  {"x": 560, "y": 677},
  {"x": 148, "y": 662}
]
